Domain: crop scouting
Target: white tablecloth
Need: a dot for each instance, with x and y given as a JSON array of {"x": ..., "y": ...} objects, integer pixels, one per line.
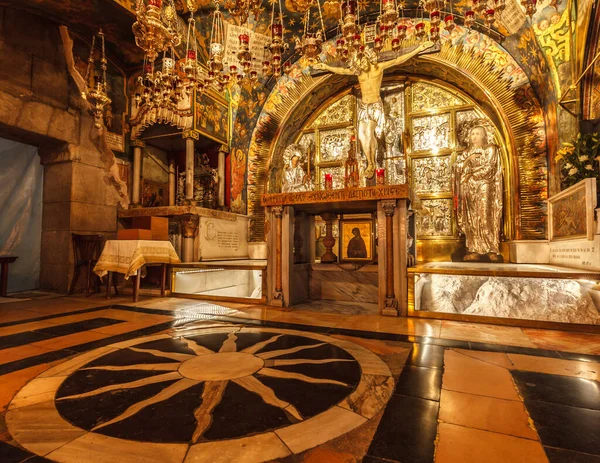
[{"x": 127, "y": 256}]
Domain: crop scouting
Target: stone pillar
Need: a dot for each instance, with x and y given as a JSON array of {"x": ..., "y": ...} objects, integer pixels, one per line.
[
  {"x": 172, "y": 180},
  {"x": 391, "y": 303},
  {"x": 223, "y": 150},
  {"x": 329, "y": 241},
  {"x": 189, "y": 227},
  {"x": 137, "y": 171},
  {"x": 189, "y": 136},
  {"x": 278, "y": 292}
]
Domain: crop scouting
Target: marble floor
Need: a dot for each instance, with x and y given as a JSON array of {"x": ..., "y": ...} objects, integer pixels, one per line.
[{"x": 175, "y": 380}]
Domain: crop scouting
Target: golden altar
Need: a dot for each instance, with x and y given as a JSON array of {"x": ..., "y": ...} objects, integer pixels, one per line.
[{"x": 290, "y": 241}]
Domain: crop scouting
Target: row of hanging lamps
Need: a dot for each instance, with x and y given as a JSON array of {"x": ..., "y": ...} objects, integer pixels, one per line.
[
  {"x": 310, "y": 45},
  {"x": 96, "y": 94}
]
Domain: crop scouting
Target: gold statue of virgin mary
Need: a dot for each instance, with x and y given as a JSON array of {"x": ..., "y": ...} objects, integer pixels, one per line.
[{"x": 477, "y": 185}]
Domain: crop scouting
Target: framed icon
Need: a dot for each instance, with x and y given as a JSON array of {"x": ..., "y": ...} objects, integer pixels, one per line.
[{"x": 356, "y": 240}]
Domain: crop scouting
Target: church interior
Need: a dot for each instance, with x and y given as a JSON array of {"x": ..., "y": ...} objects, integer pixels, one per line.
[{"x": 300, "y": 231}]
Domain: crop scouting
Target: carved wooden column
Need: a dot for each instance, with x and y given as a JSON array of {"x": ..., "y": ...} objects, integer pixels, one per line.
[
  {"x": 189, "y": 136},
  {"x": 298, "y": 241},
  {"x": 391, "y": 303},
  {"x": 223, "y": 150},
  {"x": 329, "y": 241},
  {"x": 137, "y": 171},
  {"x": 172, "y": 180},
  {"x": 278, "y": 292},
  {"x": 189, "y": 226}
]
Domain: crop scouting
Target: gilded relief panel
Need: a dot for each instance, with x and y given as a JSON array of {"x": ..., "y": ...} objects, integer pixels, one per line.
[
  {"x": 335, "y": 144},
  {"x": 435, "y": 219},
  {"x": 431, "y": 175},
  {"x": 340, "y": 112},
  {"x": 431, "y": 133},
  {"x": 425, "y": 96}
]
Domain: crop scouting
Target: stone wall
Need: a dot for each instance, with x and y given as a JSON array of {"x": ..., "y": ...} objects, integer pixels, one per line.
[{"x": 41, "y": 106}]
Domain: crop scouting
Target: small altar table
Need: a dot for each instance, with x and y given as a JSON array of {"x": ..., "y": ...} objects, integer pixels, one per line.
[
  {"x": 130, "y": 256},
  {"x": 291, "y": 219}
]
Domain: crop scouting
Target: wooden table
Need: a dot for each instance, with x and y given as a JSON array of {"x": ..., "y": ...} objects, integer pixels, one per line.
[
  {"x": 5, "y": 260},
  {"x": 130, "y": 258}
]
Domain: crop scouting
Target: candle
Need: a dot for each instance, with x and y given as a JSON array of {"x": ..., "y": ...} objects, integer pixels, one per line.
[
  {"x": 380, "y": 176},
  {"x": 329, "y": 181}
]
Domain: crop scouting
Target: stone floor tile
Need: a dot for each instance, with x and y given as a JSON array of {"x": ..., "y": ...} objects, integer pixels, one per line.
[
  {"x": 486, "y": 413},
  {"x": 587, "y": 370},
  {"x": 508, "y": 335},
  {"x": 421, "y": 382},
  {"x": 472, "y": 376},
  {"x": 465, "y": 445},
  {"x": 568, "y": 456},
  {"x": 564, "y": 340},
  {"x": 562, "y": 390},
  {"x": 495, "y": 358}
]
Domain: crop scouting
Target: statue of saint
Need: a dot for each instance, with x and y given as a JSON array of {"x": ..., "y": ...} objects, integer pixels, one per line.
[
  {"x": 371, "y": 118},
  {"x": 294, "y": 177},
  {"x": 477, "y": 184}
]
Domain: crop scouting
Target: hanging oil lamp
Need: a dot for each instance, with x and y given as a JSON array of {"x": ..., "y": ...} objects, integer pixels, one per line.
[{"x": 97, "y": 94}]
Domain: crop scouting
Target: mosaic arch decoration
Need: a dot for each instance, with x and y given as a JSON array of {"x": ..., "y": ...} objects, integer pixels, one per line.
[
  {"x": 476, "y": 62},
  {"x": 215, "y": 393}
]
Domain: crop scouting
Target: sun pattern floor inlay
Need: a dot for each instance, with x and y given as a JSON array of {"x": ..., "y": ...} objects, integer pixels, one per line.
[{"x": 209, "y": 394}]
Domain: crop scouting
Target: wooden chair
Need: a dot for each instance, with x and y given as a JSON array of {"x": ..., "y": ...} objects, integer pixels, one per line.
[{"x": 87, "y": 249}]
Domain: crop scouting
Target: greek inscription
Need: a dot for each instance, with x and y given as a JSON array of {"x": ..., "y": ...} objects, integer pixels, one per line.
[{"x": 228, "y": 240}]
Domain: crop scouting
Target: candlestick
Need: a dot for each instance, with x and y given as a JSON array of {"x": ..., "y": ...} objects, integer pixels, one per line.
[
  {"x": 329, "y": 181},
  {"x": 380, "y": 176}
]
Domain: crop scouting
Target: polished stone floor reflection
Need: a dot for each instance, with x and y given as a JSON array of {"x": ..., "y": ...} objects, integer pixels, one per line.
[{"x": 171, "y": 380}]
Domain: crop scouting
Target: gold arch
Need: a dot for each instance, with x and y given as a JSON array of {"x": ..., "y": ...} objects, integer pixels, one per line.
[{"x": 516, "y": 112}]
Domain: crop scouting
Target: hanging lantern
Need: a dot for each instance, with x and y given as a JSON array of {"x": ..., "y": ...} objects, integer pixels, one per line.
[
  {"x": 489, "y": 18},
  {"x": 156, "y": 27},
  {"x": 402, "y": 29},
  {"x": 435, "y": 17},
  {"x": 469, "y": 18},
  {"x": 434, "y": 33},
  {"x": 97, "y": 95},
  {"x": 449, "y": 22},
  {"x": 243, "y": 55},
  {"x": 287, "y": 67},
  {"x": 420, "y": 30},
  {"x": 395, "y": 44}
]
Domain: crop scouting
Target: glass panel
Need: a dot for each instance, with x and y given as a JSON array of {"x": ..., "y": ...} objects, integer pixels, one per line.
[
  {"x": 338, "y": 176},
  {"x": 506, "y": 296},
  {"x": 340, "y": 112},
  {"x": 435, "y": 219},
  {"x": 431, "y": 175},
  {"x": 431, "y": 133},
  {"x": 219, "y": 282},
  {"x": 335, "y": 144},
  {"x": 425, "y": 97}
]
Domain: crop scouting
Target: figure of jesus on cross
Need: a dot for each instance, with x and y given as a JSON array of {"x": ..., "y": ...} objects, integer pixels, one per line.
[{"x": 371, "y": 117}]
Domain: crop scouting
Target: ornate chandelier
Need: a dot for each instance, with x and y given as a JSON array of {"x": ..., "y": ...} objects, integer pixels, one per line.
[
  {"x": 174, "y": 82},
  {"x": 242, "y": 8},
  {"x": 96, "y": 94},
  {"x": 310, "y": 45},
  {"x": 156, "y": 27}
]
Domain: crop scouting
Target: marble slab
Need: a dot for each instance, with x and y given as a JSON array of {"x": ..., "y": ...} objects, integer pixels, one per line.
[
  {"x": 580, "y": 253},
  {"x": 222, "y": 239},
  {"x": 529, "y": 252},
  {"x": 344, "y": 286}
]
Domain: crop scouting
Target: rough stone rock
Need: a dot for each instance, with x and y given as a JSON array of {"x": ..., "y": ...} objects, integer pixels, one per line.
[
  {"x": 535, "y": 299},
  {"x": 448, "y": 293}
]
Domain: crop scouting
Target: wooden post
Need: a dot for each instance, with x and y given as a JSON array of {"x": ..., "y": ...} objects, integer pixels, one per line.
[
  {"x": 391, "y": 303},
  {"x": 278, "y": 293}
]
